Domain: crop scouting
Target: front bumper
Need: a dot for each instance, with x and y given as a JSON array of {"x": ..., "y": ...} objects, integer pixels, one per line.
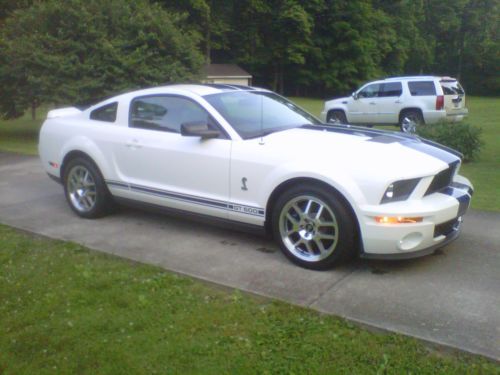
[{"x": 442, "y": 215}]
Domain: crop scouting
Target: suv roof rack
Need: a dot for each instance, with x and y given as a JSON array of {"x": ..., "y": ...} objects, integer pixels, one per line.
[{"x": 409, "y": 77}]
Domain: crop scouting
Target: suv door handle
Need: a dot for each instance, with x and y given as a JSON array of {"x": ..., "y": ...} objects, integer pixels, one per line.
[
  {"x": 133, "y": 144},
  {"x": 398, "y": 101},
  {"x": 373, "y": 103}
]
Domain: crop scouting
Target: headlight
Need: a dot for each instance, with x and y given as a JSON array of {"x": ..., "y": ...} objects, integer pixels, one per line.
[{"x": 399, "y": 190}]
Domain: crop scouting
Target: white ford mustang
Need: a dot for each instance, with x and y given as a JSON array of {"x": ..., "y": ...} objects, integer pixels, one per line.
[{"x": 250, "y": 156}]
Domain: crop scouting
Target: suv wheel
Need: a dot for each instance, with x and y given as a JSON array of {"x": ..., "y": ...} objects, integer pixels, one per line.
[
  {"x": 409, "y": 120},
  {"x": 336, "y": 117}
]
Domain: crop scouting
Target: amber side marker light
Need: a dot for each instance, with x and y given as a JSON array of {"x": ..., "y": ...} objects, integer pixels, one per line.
[{"x": 397, "y": 220}]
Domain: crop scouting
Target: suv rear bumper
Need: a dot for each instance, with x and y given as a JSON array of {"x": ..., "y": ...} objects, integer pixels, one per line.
[{"x": 431, "y": 117}]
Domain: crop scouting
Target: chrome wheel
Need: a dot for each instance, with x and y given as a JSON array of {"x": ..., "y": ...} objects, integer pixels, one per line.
[
  {"x": 81, "y": 188},
  {"x": 409, "y": 124},
  {"x": 308, "y": 228}
]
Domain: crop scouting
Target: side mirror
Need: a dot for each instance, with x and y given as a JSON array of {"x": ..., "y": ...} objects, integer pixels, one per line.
[
  {"x": 198, "y": 129},
  {"x": 354, "y": 95}
]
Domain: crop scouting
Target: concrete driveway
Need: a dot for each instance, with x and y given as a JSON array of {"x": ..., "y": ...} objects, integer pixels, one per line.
[{"x": 451, "y": 298}]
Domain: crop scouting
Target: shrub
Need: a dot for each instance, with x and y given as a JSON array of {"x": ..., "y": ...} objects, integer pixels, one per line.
[{"x": 460, "y": 136}]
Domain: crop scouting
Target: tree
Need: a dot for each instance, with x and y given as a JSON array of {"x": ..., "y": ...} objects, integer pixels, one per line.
[{"x": 72, "y": 51}]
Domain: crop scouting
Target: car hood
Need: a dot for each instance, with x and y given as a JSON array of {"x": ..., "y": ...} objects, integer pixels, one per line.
[{"x": 366, "y": 153}]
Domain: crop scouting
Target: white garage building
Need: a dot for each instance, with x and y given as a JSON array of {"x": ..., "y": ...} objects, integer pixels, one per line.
[{"x": 227, "y": 74}]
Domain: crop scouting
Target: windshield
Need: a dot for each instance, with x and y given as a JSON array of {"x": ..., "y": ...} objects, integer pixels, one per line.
[{"x": 255, "y": 113}]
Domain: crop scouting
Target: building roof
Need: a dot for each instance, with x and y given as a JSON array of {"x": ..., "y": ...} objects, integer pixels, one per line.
[{"x": 225, "y": 70}]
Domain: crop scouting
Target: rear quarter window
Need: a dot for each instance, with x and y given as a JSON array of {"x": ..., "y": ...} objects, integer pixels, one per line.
[
  {"x": 452, "y": 88},
  {"x": 106, "y": 113},
  {"x": 422, "y": 88}
]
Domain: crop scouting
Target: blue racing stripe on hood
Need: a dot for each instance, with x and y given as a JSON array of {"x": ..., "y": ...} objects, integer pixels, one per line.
[
  {"x": 434, "y": 149},
  {"x": 437, "y": 152}
]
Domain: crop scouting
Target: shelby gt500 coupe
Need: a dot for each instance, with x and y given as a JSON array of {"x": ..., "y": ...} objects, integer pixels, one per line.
[{"x": 250, "y": 156}]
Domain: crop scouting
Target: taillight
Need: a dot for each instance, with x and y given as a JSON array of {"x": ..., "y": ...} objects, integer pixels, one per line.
[{"x": 439, "y": 102}]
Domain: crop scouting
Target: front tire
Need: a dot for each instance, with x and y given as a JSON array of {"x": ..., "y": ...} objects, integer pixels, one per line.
[
  {"x": 313, "y": 227},
  {"x": 336, "y": 117},
  {"x": 85, "y": 189}
]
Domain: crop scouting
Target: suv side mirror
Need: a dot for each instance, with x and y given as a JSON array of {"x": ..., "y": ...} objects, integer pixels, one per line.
[
  {"x": 198, "y": 129},
  {"x": 354, "y": 95}
]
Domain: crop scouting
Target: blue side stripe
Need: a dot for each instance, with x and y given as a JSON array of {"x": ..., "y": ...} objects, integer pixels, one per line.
[{"x": 228, "y": 206}]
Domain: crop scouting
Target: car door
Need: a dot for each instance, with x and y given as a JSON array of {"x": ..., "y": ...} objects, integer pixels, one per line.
[
  {"x": 389, "y": 102},
  {"x": 362, "y": 108},
  {"x": 159, "y": 165}
]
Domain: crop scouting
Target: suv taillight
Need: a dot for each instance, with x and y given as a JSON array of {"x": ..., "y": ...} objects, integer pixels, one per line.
[{"x": 439, "y": 102}]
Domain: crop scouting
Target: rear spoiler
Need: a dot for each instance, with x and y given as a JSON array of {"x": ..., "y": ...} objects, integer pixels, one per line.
[{"x": 63, "y": 112}]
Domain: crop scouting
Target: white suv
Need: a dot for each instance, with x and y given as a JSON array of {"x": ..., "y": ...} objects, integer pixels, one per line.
[{"x": 403, "y": 101}]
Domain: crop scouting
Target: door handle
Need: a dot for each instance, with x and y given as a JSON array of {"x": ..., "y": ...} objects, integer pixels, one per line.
[
  {"x": 373, "y": 103},
  {"x": 133, "y": 144},
  {"x": 398, "y": 101}
]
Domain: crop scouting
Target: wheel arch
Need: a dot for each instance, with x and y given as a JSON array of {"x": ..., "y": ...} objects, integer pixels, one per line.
[
  {"x": 402, "y": 111},
  {"x": 71, "y": 155},
  {"x": 278, "y": 190},
  {"x": 335, "y": 109}
]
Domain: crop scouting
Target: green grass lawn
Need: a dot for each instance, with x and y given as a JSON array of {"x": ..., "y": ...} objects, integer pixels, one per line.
[
  {"x": 65, "y": 309},
  {"x": 21, "y": 136}
]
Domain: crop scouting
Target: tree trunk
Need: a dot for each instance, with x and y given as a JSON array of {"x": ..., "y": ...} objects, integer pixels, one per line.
[
  {"x": 33, "y": 110},
  {"x": 208, "y": 36},
  {"x": 281, "y": 82},
  {"x": 275, "y": 78}
]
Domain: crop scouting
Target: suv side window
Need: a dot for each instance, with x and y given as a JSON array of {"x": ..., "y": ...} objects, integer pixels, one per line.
[
  {"x": 106, "y": 113},
  {"x": 422, "y": 88},
  {"x": 391, "y": 89},
  {"x": 370, "y": 91}
]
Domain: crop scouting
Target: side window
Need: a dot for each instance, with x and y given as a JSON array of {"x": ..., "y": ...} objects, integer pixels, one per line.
[
  {"x": 105, "y": 113},
  {"x": 370, "y": 91},
  {"x": 165, "y": 113},
  {"x": 422, "y": 88},
  {"x": 391, "y": 89}
]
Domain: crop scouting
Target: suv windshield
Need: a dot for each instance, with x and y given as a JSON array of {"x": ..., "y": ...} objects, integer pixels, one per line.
[{"x": 255, "y": 113}]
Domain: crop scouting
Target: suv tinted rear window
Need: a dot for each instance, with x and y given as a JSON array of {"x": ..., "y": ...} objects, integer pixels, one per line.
[
  {"x": 422, "y": 88},
  {"x": 452, "y": 88}
]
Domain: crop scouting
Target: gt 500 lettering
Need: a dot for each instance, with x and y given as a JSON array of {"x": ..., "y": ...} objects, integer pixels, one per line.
[{"x": 248, "y": 210}]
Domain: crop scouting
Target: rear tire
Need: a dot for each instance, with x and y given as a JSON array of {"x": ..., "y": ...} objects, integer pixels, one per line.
[
  {"x": 410, "y": 120},
  {"x": 336, "y": 117},
  {"x": 313, "y": 227},
  {"x": 85, "y": 189}
]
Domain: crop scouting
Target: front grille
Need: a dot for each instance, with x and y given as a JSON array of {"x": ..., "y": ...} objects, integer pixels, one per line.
[
  {"x": 445, "y": 229},
  {"x": 442, "y": 179}
]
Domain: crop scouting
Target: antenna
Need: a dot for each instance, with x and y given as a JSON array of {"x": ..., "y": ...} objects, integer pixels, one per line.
[{"x": 261, "y": 142}]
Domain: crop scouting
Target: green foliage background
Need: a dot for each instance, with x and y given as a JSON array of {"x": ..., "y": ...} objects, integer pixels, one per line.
[
  {"x": 75, "y": 51},
  {"x": 62, "y": 52}
]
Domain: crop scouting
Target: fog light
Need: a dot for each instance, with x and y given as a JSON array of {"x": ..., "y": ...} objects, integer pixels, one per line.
[
  {"x": 410, "y": 241},
  {"x": 398, "y": 220}
]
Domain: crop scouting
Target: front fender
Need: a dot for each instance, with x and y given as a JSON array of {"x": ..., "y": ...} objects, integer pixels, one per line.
[{"x": 340, "y": 181}]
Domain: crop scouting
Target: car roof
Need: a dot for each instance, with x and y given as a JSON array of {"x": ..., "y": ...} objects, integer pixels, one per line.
[
  {"x": 197, "y": 89},
  {"x": 181, "y": 89}
]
